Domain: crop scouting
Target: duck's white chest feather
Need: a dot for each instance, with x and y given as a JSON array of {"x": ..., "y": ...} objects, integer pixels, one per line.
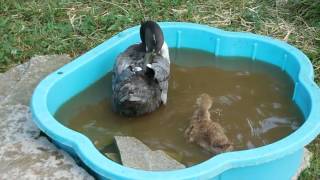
[{"x": 165, "y": 52}]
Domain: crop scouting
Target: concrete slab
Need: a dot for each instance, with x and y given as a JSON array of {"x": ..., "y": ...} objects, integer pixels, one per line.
[{"x": 24, "y": 154}]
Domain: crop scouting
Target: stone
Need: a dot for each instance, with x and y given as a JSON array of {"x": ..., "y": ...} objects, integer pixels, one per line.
[
  {"x": 174, "y": 155},
  {"x": 18, "y": 83},
  {"x": 114, "y": 157},
  {"x": 307, "y": 155},
  {"x": 159, "y": 160},
  {"x": 137, "y": 155},
  {"x": 24, "y": 153}
]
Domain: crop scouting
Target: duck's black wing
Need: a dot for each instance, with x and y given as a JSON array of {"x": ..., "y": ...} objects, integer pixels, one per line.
[
  {"x": 134, "y": 93},
  {"x": 130, "y": 56}
]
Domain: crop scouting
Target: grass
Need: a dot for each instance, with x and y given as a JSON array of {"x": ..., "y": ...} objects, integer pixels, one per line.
[{"x": 30, "y": 27}]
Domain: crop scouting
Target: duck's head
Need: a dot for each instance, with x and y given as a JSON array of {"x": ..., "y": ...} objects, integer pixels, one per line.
[{"x": 151, "y": 36}]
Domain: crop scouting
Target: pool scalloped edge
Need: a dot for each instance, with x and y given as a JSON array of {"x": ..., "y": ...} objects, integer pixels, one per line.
[{"x": 82, "y": 147}]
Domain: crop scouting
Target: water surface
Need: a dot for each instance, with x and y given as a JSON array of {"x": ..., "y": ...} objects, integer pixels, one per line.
[{"x": 252, "y": 101}]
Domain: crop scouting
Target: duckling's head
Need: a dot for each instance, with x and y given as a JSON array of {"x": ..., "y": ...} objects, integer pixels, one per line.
[{"x": 151, "y": 36}]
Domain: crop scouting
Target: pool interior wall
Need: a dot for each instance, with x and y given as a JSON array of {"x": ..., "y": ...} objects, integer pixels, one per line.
[{"x": 278, "y": 160}]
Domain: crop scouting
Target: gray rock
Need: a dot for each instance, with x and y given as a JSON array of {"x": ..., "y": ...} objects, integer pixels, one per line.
[
  {"x": 114, "y": 157},
  {"x": 159, "y": 160},
  {"x": 137, "y": 155},
  {"x": 18, "y": 83},
  {"x": 24, "y": 154}
]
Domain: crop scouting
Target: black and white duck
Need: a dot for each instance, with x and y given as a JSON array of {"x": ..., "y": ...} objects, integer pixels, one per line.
[{"x": 141, "y": 73}]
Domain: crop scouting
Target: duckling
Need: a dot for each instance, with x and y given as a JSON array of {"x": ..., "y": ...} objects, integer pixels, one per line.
[
  {"x": 203, "y": 131},
  {"x": 140, "y": 74}
]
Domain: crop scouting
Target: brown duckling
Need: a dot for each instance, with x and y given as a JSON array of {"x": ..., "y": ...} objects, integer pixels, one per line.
[{"x": 203, "y": 131}]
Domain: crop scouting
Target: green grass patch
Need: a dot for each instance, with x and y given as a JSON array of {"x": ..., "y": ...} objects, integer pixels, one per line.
[{"x": 313, "y": 173}]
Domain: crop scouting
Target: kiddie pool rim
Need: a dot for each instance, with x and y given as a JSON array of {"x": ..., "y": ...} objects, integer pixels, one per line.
[{"x": 87, "y": 152}]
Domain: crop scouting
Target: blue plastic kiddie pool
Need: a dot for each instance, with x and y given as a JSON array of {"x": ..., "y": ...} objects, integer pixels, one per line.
[{"x": 279, "y": 160}]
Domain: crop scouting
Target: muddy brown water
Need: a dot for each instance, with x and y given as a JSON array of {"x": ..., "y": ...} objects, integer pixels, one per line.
[{"x": 251, "y": 100}]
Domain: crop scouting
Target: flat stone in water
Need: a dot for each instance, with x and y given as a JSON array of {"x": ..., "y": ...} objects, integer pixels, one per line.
[
  {"x": 159, "y": 160},
  {"x": 114, "y": 157},
  {"x": 137, "y": 155}
]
